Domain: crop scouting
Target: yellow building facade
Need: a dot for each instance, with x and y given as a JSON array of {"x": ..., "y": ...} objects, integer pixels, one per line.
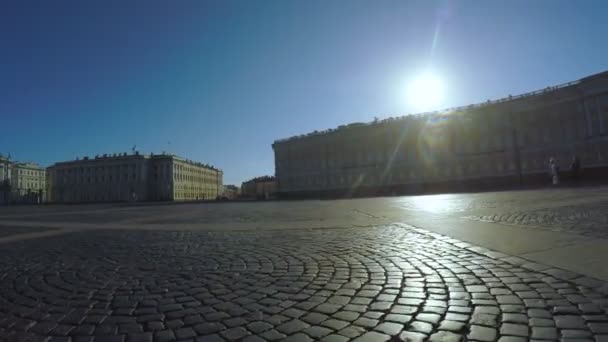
[
  {"x": 135, "y": 177},
  {"x": 192, "y": 181}
]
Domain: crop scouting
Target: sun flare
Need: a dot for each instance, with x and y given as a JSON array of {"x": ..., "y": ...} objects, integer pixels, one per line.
[{"x": 425, "y": 92}]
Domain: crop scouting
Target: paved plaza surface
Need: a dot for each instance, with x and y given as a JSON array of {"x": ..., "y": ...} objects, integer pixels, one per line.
[{"x": 504, "y": 266}]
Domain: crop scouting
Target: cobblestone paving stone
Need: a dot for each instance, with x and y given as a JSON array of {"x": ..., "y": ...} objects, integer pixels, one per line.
[
  {"x": 388, "y": 283},
  {"x": 9, "y": 231},
  {"x": 589, "y": 220}
]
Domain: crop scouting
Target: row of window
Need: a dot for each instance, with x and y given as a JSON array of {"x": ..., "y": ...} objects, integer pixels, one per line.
[
  {"x": 189, "y": 195},
  {"x": 397, "y": 177},
  {"x": 194, "y": 178},
  {"x": 191, "y": 169},
  {"x": 30, "y": 185},
  {"x": 116, "y": 173},
  {"x": 98, "y": 179},
  {"x": 126, "y": 194},
  {"x": 32, "y": 173},
  {"x": 88, "y": 179},
  {"x": 77, "y": 196},
  {"x": 490, "y": 167},
  {"x": 195, "y": 187},
  {"x": 193, "y": 174},
  {"x": 99, "y": 169},
  {"x": 177, "y": 168},
  {"x": 531, "y": 137}
]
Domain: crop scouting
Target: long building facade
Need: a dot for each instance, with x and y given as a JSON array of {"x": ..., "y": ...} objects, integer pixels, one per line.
[
  {"x": 134, "y": 177},
  {"x": 507, "y": 141}
]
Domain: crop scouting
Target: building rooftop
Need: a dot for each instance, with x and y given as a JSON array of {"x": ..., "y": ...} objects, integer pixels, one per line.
[
  {"x": 137, "y": 155},
  {"x": 28, "y": 165},
  {"x": 261, "y": 179},
  {"x": 450, "y": 110},
  {"x": 7, "y": 159}
]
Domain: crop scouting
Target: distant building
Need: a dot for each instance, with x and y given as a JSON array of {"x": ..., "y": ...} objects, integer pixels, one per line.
[
  {"x": 28, "y": 183},
  {"x": 231, "y": 192},
  {"x": 4, "y": 169},
  {"x": 135, "y": 177},
  {"x": 21, "y": 183},
  {"x": 259, "y": 188},
  {"x": 5, "y": 180},
  {"x": 503, "y": 142}
]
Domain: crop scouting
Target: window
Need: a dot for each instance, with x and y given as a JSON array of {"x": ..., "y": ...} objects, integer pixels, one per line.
[{"x": 602, "y": 108}]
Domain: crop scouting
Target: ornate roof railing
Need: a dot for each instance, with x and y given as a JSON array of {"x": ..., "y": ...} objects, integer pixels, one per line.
[{"x": 444, "y": 111}]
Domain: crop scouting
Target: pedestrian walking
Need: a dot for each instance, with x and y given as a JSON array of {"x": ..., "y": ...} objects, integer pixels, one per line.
[
  {"x": 575, "y": 168},
  {"x": 554, "y": 171}
]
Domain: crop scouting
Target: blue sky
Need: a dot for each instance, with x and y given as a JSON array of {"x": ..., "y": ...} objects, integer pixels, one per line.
[{"x": 219, "y": 81}]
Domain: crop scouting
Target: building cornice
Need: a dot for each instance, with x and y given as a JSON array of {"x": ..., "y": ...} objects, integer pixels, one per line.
[{"x": 454, "y": 110}]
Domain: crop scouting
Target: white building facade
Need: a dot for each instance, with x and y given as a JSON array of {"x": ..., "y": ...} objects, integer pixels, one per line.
[{"x": 21, "y": 183}]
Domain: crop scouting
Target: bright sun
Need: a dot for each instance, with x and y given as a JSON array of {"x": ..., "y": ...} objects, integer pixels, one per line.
[{"x": 425, "y": 92}]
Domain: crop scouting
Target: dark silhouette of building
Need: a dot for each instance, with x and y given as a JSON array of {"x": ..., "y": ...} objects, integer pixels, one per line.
[
  {"x": 264, "y": 187},
  {"x": 496, "y": 143}
]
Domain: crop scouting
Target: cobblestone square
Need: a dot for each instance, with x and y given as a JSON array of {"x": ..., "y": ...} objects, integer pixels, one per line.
[{"x": 358, "y": 282}]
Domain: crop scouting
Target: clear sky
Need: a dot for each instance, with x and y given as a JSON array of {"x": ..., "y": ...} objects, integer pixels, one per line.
[{"x": 219, "y": 81}]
